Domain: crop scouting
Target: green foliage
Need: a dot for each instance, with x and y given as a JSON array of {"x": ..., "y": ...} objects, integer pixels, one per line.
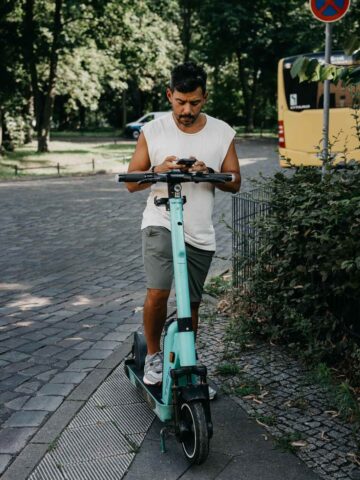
[
  {"x": 227, "y": 369},
  {"x": 247, "y": 387},
  {"x": 288, "y": 442},
  {"x": 342, "y": 397},
  {"x": 217, "y": 286},
  {"x": 312, "y": 70},
  {"x": 268, "y": 420},
  {"x": 113, "y": 57},
  {"x": 305, "y": 288}
]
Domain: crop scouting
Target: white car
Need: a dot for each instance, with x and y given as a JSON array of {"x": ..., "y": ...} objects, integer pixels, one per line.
[{"x": 133, "y": 129}]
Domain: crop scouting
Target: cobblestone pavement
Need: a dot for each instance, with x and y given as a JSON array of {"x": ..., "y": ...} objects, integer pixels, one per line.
[
  {"x": 72, "y": 287},
  {"x": 277, "y": 391}
]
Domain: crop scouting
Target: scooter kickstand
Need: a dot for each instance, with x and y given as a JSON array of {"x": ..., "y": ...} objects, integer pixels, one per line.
[{"x": 163, "y": 433}]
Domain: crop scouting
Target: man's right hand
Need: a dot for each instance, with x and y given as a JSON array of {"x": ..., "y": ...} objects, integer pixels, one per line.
[{"x": 169, "y": 164}]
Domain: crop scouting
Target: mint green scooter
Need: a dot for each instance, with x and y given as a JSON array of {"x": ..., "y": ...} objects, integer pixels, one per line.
[{"x": 183, "y": 398}]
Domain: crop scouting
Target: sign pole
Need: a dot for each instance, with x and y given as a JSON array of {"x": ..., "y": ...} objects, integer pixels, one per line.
[
  {"x": 327, "y": 11},
  {"x": 326, "y": 109}
]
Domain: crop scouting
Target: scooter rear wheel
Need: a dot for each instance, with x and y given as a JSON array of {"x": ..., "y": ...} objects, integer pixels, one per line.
[
  {"x": 139, "y": 350},
  {"x": 195, "y": 438}
]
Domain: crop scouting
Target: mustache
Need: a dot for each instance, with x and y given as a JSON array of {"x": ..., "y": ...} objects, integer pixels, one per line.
[{"x": 187, "y": 116}]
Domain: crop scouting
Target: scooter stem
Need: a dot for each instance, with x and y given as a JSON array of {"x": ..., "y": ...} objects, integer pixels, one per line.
[{"x": 186, "y": 337}]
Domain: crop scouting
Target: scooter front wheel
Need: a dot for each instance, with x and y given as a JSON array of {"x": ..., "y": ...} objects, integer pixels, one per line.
[{"x": 195, "y": 436}]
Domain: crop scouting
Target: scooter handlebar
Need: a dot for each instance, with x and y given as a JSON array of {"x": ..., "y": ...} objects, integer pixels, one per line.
[{"x": 174, "y": 176}]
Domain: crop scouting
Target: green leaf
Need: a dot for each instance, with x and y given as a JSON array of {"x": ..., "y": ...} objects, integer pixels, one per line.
[
  {"x": 311, "y": 67},
  {"x": 352, "y": 44},
  {"x": 299, "y": 66}
]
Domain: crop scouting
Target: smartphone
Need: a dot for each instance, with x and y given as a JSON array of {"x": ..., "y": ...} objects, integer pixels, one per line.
[{"x": 186, "y": 161}]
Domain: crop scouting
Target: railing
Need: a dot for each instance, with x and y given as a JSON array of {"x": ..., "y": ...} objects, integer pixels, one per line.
[{"x": 247, "y": 209}]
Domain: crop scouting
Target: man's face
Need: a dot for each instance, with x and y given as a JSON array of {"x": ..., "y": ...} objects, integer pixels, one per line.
[{"x": 186, "y": 106}]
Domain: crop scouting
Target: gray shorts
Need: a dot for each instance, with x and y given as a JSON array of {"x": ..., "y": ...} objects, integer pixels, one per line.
[{"x": 158, "y": 262}]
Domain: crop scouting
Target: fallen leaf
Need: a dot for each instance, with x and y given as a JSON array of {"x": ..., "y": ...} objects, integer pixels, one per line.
[
  {"x": 324, "y": 437},
  {"x": 261, "y": 423},
  {"x": 299, "y": 443},
  {"x": 263, "y": 394},
  {"x": 333, "y": 413}
]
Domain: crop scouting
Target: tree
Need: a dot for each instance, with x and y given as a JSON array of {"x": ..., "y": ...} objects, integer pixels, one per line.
[
  {"x": 12, "y": 78},
  {"x": 254, "y": 34}
]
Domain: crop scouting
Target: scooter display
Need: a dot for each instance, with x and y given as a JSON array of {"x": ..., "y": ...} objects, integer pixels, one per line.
[{"x": 182, "y": 400}]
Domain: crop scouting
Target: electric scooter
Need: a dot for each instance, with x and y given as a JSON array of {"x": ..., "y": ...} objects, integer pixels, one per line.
[{"x": 182, "y": 400}]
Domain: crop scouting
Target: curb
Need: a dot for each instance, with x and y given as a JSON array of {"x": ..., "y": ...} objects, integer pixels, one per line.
[{"x": 34, "y": 451}]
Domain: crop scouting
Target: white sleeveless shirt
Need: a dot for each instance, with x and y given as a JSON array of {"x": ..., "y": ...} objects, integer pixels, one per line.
[{"x": 210, "y": 145}]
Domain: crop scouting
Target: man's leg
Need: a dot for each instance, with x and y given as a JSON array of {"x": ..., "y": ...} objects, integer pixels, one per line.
[
  {"x": 155, "y": 309},
  {"x": 195, "y": 315}
]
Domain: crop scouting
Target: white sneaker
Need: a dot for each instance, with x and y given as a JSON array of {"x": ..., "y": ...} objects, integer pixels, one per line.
[
  {"x": 153, "y": 369},
  {"x": 212, "y": 393}
]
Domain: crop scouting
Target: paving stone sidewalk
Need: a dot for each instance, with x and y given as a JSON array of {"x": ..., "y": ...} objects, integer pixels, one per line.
[
  {"x": 70, "y": 287},
  {"x": 278, "y": 393},
  {"x": 108, "y": 438}
]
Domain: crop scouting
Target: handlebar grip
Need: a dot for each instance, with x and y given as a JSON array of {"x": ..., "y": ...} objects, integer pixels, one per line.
[
  {"x": 221, "y": 177},
  {"x": 134, "y": 177}
]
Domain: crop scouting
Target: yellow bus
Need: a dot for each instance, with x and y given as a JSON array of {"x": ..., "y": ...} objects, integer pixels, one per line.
[{"x": 300, "y": 116}]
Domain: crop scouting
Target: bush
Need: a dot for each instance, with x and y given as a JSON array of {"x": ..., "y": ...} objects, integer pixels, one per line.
[{"x": 305, "y": 287}]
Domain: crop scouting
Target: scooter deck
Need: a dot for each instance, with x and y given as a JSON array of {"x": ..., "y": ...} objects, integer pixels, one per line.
[{"x": 151, "y": 393}]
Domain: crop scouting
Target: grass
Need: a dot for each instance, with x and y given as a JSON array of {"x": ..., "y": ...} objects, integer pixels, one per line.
[
  {"x": 72, "y": 158},
  {"x": 106, "y": 132},
  {"x": 269, "y": 420},
  {"x": 342, "y": 397},
  {"x": 134, "y": 447},
  {"x": 117, "y": 146},
  {"x": 300, "y": 403},
  {"x": 249, "y": 387},
  {"x": 286, "y": 442},
  {"x": 227, "y": 369},
  {"x": 53, "y": 445}
]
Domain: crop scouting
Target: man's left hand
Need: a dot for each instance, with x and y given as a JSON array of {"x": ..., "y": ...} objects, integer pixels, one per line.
[{"x": 199, "y": 167}]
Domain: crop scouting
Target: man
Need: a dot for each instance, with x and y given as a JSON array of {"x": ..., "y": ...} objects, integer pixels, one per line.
[{"x": 186, "y": 132}]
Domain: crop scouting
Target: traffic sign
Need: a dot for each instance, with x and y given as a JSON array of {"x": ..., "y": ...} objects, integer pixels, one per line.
[{"x": 329, "y": 10}]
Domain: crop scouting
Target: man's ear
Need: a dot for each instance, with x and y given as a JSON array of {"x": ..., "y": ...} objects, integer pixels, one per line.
[
  {"x": 169, "y": 94},
  {"x": 205, "y": 97}
]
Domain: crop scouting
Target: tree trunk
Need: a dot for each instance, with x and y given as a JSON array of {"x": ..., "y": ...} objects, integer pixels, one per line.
[
  {"x": 29, "y": 56},
  {"x": 82, "y": 117},
  {"x": 1, "y": 131},
  {"x": 249, "y": 93},
  {"x": 46, "y": 114},
  {"x": 186, "y": 13},
  {"x": 29, "y": 117},
  {"x": 123, "y": 109}
]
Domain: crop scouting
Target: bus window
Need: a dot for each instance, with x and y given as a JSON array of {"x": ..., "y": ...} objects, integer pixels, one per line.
[
  {"x": 299, "y": 96},
  {"x": 340, "y": 96},
  {"x": 309, "y": 95}
]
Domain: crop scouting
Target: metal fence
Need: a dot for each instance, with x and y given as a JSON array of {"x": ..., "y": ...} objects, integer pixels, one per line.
[{"x": 247, "y": 208}]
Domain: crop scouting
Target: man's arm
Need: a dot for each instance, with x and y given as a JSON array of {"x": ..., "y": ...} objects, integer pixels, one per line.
[
  {"x": 231, "y": 165},
  {"x": 140, "y": 162}
]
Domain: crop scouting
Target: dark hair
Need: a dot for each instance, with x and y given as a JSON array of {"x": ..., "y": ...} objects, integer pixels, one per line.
[{"x": 187, "y": 77}]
